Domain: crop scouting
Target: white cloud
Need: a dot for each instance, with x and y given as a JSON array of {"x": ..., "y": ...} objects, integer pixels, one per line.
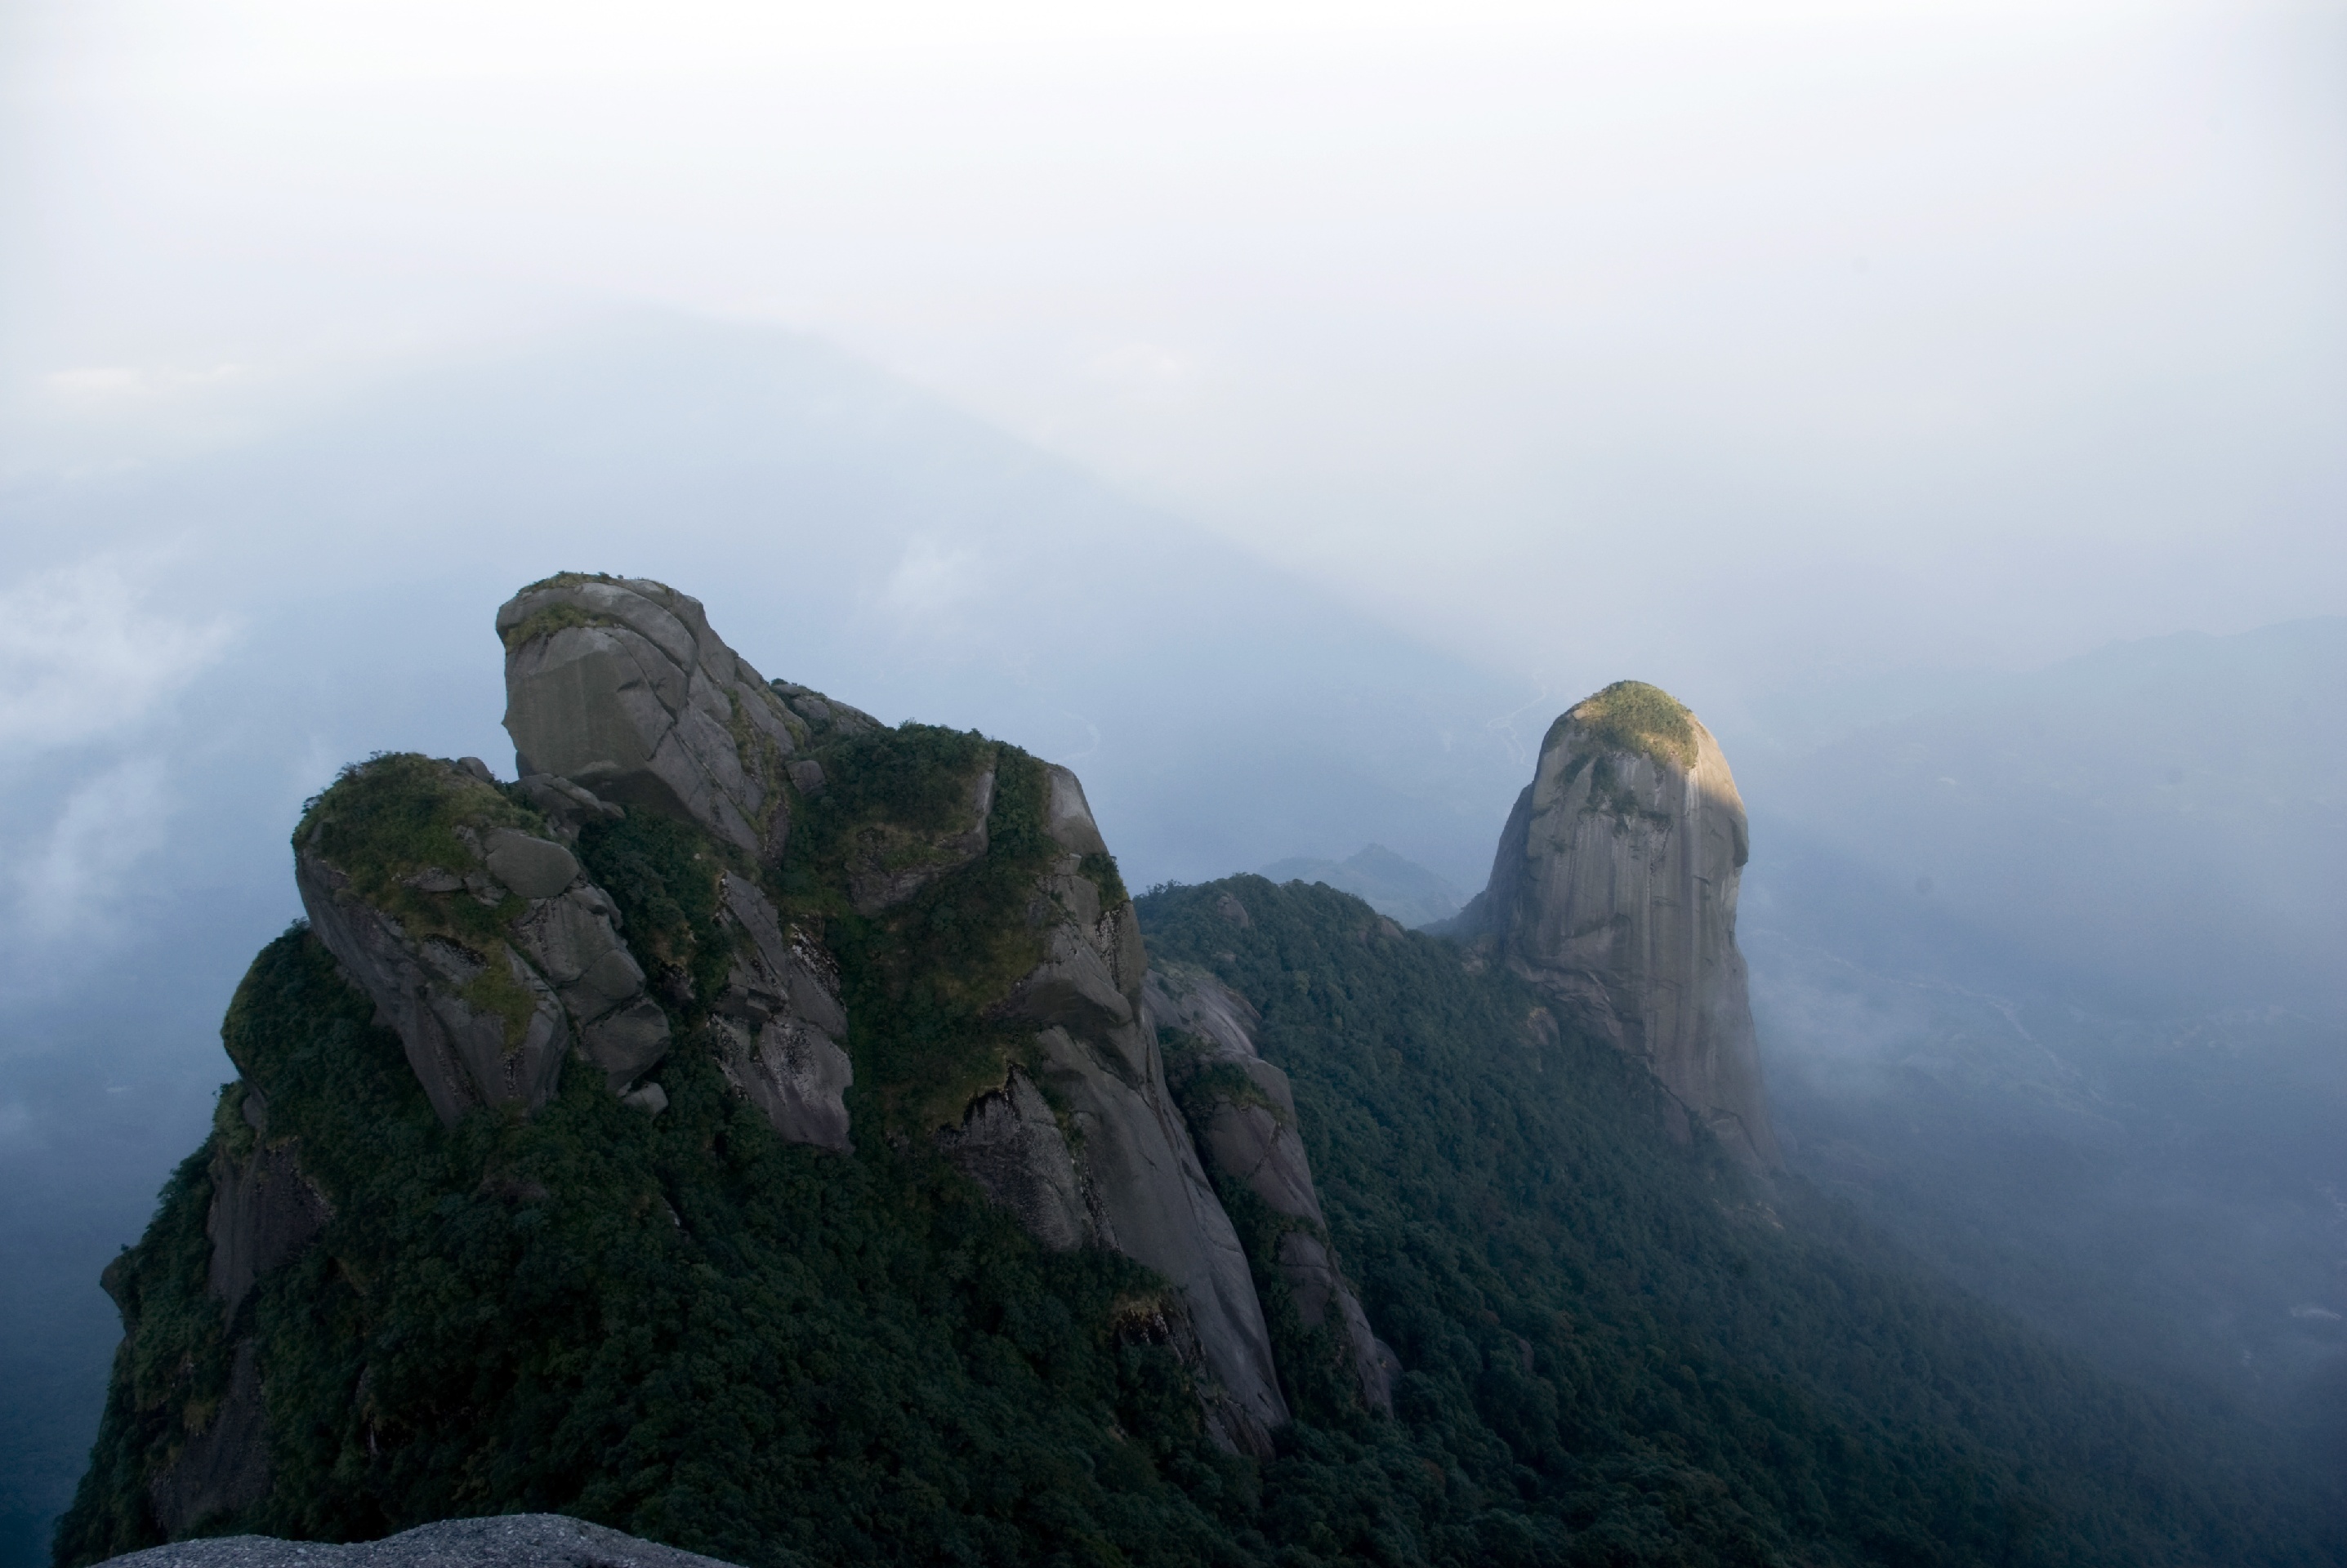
[
  {"x": 75, "y": 877},
  {"x": 105, "y": 384},
  {"x": 82, "y": 655},
  {"x": 929, "y": 581}
]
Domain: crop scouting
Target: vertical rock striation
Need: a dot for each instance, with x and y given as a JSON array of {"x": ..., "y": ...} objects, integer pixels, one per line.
[
  {"x": 1243, "y": 1113},
  {"x": 1614, "y": 891},
  {"x": 781, "y": 1022},
  {"x": 1129, "y": 1176}
]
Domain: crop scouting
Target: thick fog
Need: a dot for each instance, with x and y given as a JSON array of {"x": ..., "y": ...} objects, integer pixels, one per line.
[{"x": 1278, "y": 415}]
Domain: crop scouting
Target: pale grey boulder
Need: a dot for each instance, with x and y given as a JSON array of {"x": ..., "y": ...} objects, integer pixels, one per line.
[
  {"x": 1250, "y": 1136},
  {"x": 573, "y": 941},
  {"x": 535, "y": 868},
  {"x": 780, "y": 1023},
  {"x": 827, "y": 718},
  {"x": 508, "y": 1540},
  {"x": 1136, "y": 1177},
  {"x": 1614, "y": 888},
  {"x": 619, "y": 687},
  {"x": 567, "y": 806}
]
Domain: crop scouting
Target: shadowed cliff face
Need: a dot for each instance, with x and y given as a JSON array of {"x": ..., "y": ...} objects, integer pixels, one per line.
[
  {"x": 1614, "y": 890},
  {"x": 1243, "y": 1115}
]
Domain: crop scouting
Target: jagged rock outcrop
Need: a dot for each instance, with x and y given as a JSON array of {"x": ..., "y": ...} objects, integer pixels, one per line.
[
  {"x": 1613, "y": 889},
  {"x": 465, "y": 910},
  {"x": 780, "y": 1022},
  {"x": 618, "y": 685},
  {"x": 1244, "y": 1114},
  {"x": 478, "y": 939},
  {"x": 508, "y": 1541},
  {"x": 1129, "y": 1178}
]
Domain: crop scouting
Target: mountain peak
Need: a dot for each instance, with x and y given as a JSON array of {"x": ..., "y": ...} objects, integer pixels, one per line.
[
  {"x": 1613, "y": 890},
  {"x": 1631, "y": 716}
]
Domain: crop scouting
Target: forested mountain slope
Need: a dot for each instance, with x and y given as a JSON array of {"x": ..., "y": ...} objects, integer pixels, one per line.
[
  {"x": 1614, "y": 1351},
  {"x": 784, "y": 1137},
  {"x": 1633, "y": 1348}
]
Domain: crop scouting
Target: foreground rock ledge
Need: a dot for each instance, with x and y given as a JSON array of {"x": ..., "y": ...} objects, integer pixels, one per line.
[{"x": 512, "y": 1541}]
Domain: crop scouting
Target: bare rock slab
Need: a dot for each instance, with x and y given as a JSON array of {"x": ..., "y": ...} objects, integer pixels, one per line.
[
  {"x": 618, "y": 686},
  {"x": 1614, "y": 891},
  {"x": 512, "y": 1541}
]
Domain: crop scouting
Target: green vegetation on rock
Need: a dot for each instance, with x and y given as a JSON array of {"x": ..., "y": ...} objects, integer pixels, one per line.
[
  {"x": 545, "y": 623},
  {"x": 1100, "y": 868},
  {"x": 1631, "y": 716},
  {"x": 663, "y": 875},
  {"x": 922, "y": 977},
  {"x": 397, "y": 815}
]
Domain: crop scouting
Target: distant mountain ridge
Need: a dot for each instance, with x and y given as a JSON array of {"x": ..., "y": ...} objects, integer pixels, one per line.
[{"x": 1387, "y": 883}]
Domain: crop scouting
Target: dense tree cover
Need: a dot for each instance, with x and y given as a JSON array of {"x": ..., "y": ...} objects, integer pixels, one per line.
[
  {"x": 1616, "y": 1349},
  {"x": 681, "y": 1327}
]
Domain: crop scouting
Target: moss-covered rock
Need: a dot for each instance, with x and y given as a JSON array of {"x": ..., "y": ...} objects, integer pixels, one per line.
[
  {"x": 407, "y": 868},
  {"x": 1632, "y": 717}
]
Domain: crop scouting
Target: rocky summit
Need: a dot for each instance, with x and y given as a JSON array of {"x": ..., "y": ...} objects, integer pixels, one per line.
[
  {"x": 1613, "y": 891},
  {"x": 782, "y": 1137}
]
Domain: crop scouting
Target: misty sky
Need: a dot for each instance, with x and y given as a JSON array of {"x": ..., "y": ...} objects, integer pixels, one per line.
[{"x": 1724, "y": 344}]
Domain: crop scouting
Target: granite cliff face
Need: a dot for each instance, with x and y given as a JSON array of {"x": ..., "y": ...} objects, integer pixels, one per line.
[
  {"x": 1614, "y": 888},
  {"x": 618, "y": 686},
  {"x": 1142, "y": 1189},
  {"x": 1244, "y": 1116}
]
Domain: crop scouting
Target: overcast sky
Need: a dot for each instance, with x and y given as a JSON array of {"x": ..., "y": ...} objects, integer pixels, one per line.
[{"x": 1726, "y": 342}]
